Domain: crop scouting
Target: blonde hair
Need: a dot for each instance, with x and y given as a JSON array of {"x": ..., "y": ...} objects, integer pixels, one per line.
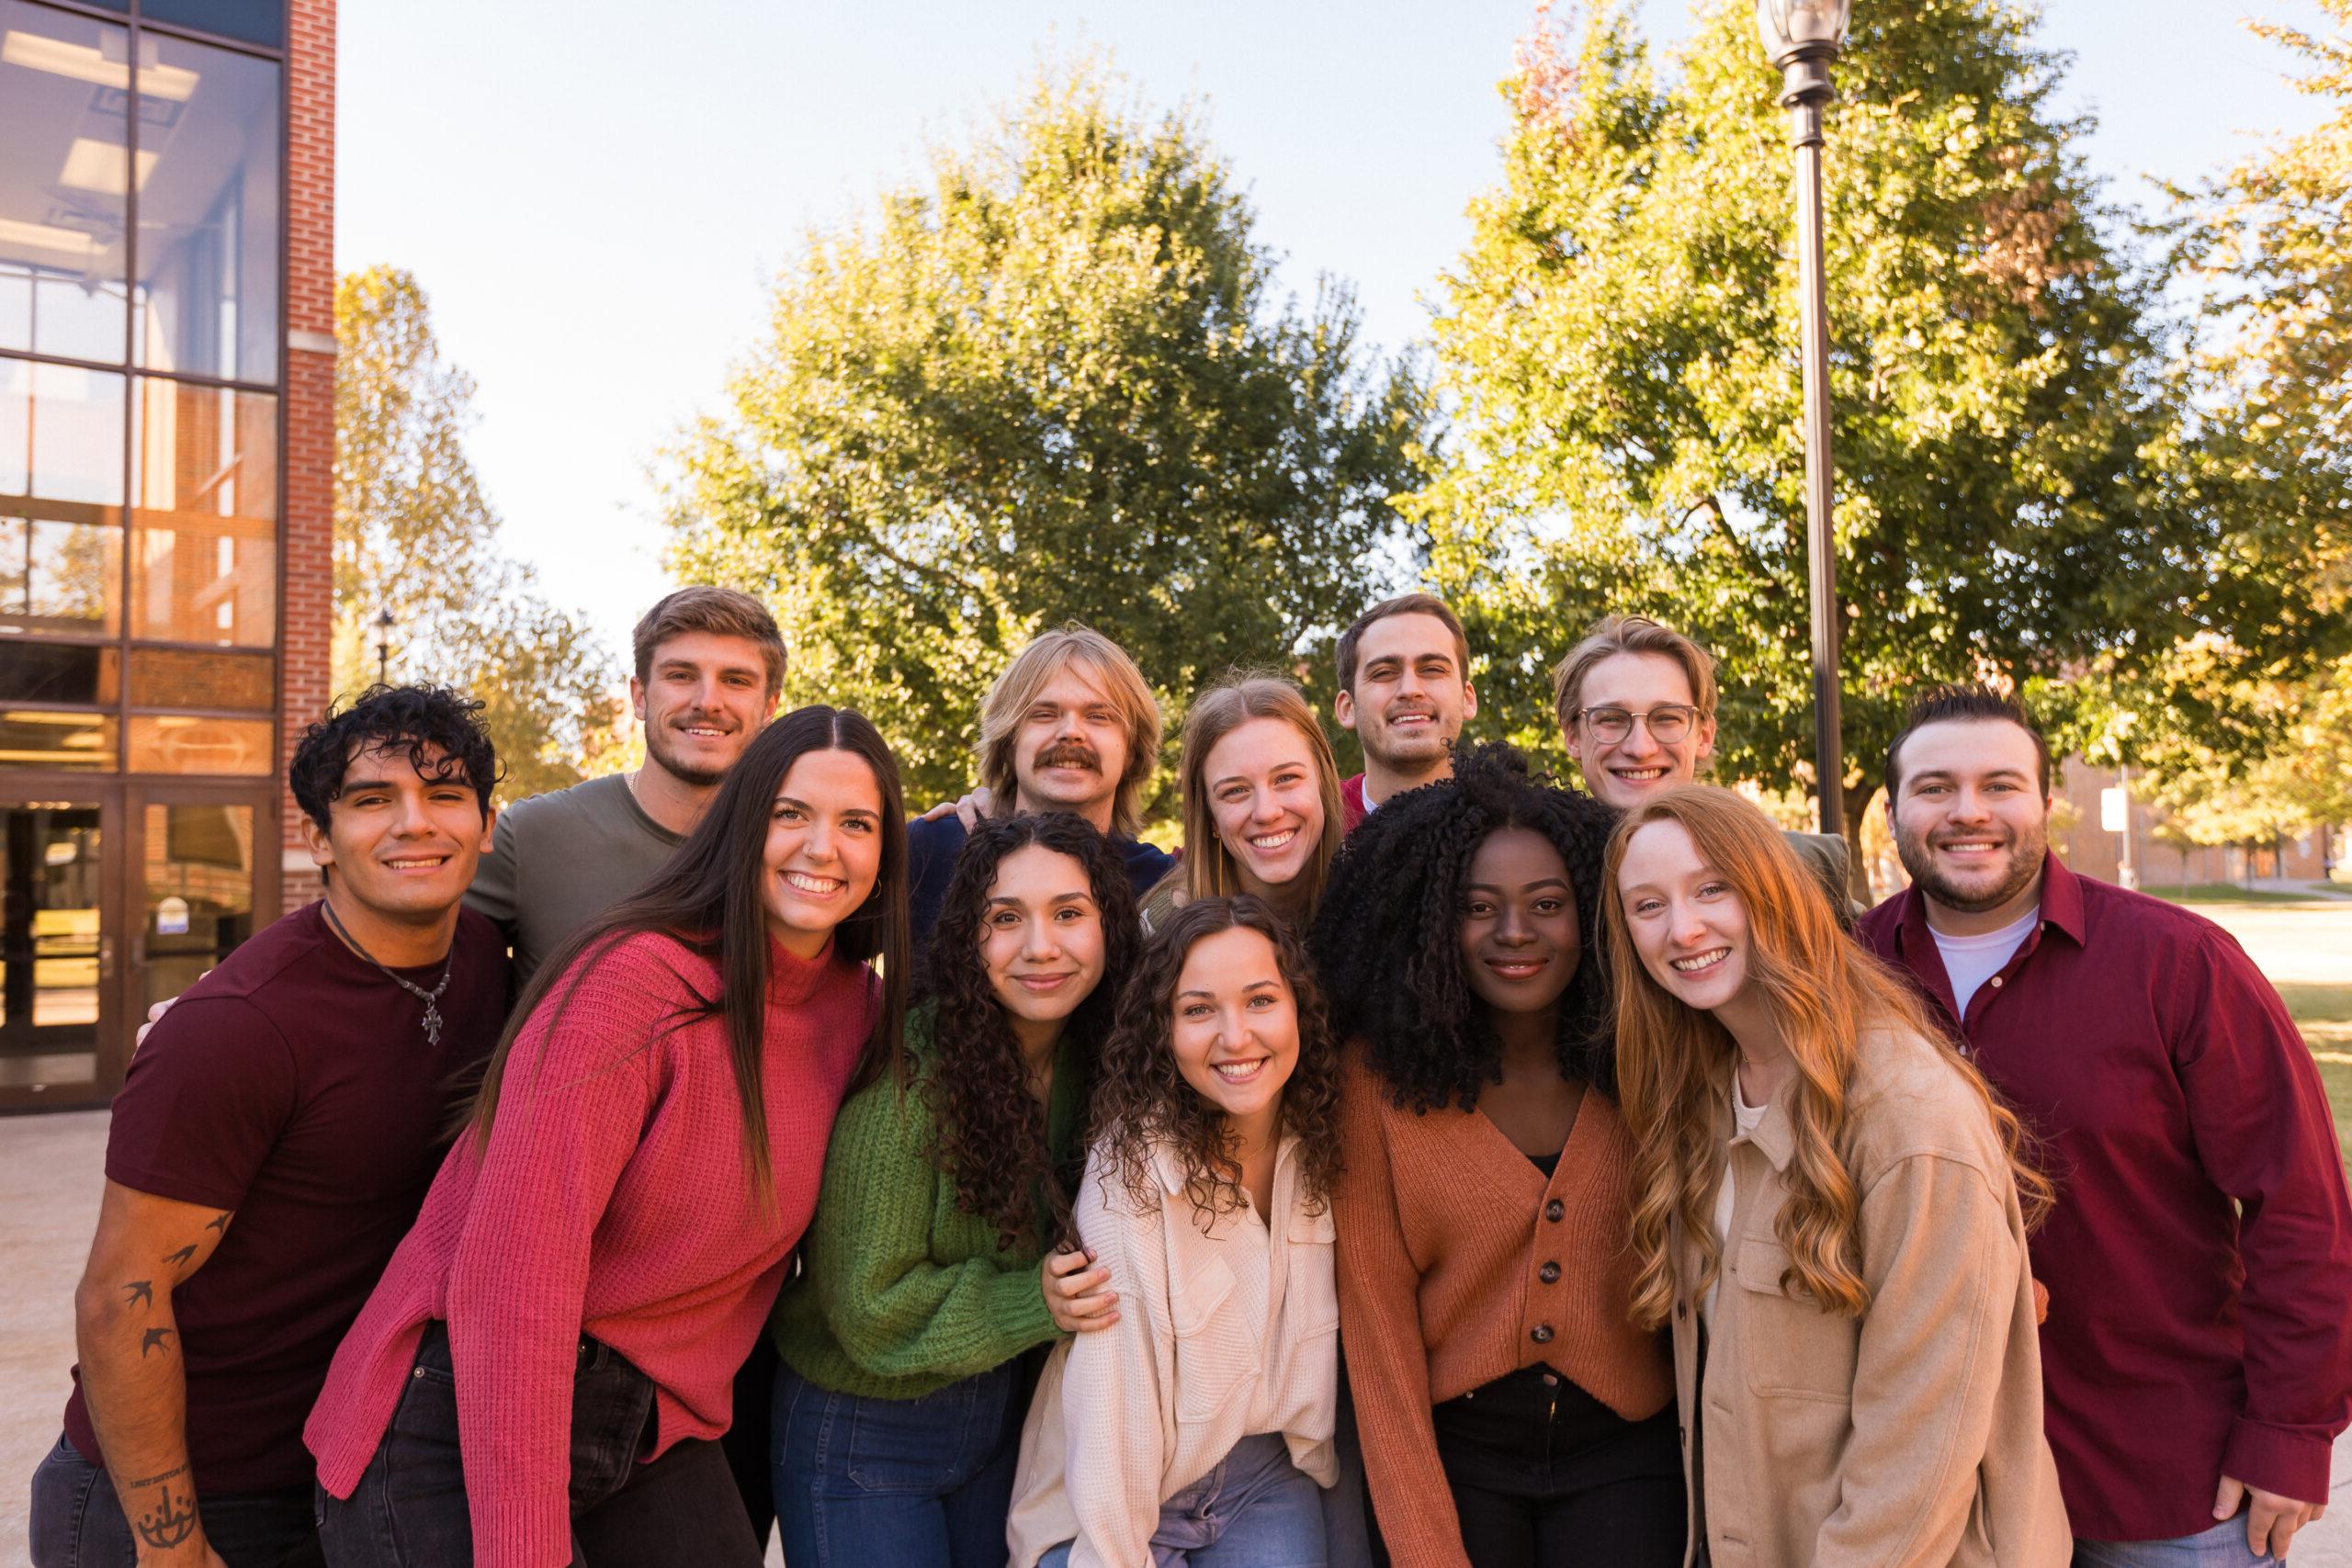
[
  {"x": 1613, "y": 635},
  {"x": 1675, "y": 1062},
  {"x": 1111, "y": 673},
  {"x": 1208, "y": 869}
]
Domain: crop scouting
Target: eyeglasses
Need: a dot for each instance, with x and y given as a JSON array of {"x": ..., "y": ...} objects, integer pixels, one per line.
[{"x": 1668, "y": 722}]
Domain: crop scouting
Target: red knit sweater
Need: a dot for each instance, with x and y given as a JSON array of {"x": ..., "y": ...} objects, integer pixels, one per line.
[{"x": 615, "y": 1200}]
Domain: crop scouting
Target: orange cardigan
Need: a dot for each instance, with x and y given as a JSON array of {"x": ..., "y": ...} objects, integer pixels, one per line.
[{"x": 1459, "y": 1263}]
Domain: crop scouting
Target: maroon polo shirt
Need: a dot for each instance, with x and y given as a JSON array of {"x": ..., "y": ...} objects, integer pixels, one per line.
[
  {"x": 1352, "y": 802},
  {"x": 294, "y": 1087},
  {"x": 2200, "y": 1259}
]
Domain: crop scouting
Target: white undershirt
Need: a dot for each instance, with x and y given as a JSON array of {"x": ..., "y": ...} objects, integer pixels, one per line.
[
  {"x": 1745, "y": 1120},
  {"x": 1969, "y": 961}
]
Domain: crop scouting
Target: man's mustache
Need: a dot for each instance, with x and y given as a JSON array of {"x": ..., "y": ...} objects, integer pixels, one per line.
[{"x": 1070, "y": 754}]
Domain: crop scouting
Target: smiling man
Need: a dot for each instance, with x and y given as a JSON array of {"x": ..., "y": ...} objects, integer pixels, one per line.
[
  {"x": 1069, "y": 726},
  {"x": 709, "y": 666},
  {"x": 1636, "y": 704},
  {"x": 2197, "y": 1360},
  {"x": 1404, "y": 690},
  {"x": 269, "y": 1150}
]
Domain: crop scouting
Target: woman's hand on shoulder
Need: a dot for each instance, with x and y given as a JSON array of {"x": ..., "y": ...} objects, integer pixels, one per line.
[{"x": 1077, "y": 1292}]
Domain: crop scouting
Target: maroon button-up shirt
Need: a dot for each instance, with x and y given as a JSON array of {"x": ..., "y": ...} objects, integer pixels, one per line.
[{"x": 2188, "y": 1336}]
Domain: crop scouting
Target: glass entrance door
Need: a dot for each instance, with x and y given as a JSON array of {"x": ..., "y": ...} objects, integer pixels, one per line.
[
  {"x": 195, "y": 893},
  {"x": 58, "y": 1011}
]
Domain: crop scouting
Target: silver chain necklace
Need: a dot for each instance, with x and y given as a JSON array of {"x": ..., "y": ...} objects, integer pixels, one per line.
[{"x": 430, "y": 999}]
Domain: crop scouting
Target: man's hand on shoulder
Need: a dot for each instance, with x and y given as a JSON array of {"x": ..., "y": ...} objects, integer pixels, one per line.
[{"x": 968, "y": 810}]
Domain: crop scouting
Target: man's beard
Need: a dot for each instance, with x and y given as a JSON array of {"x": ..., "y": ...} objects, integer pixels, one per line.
[
  {"x": 2025, "y": 865},
  {"x": 1425, "y": 744},
  {"x": 658, "y": 751}
]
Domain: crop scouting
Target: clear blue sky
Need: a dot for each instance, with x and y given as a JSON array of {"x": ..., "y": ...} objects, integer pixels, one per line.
[{"x": 593, "y": 195}]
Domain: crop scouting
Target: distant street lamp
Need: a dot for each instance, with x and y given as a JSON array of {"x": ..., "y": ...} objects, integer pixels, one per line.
[
  {"x": 384, "y": 624},
  {"x": 1801, "y": 36}
]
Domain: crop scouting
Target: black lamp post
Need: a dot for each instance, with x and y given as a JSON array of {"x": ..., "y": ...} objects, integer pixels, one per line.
[
  {"x": 1801, "y": 36},
  {"x": 384, "y": 624}
]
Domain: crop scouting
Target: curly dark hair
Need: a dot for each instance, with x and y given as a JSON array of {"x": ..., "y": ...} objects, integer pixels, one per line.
[
  {"x": 991, "y": 1130},
  {"x": 1386, "y": 938},
  {"x": 1141, "y": 1101},
  {"x": 407, "y": 720}
]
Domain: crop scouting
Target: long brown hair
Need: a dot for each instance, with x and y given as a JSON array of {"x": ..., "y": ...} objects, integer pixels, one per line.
[
  {"x": 990, "y": 1139},
  {"x": 1141, "y": 1099},
  {"x": 708, "y": 899},
  {"x": 1208, "y": 868},
  {"x": 1675, "y": 1062}
]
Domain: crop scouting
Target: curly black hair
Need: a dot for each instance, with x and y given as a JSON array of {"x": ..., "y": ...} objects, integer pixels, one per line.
[
  {"x": 991, "y": 1130},
  {"x": 1141, "y": 1101},
  {"x": 1386, "y": 938},
  {"x": 405, "y": 720}
]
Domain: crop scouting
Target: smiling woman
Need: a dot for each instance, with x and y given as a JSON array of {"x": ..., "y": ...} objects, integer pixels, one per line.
[
  {"x": 1461, "y": 934},
  {"x": 1203, "y": 1418},
  {"x": 643, "y": 1157},
  {"x": 1262, "y": 811}
]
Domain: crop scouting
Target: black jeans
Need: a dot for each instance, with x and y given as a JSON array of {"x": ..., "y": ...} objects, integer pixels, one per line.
[
  {"x": 1543, "y": 1475},
  {"x": 409, "y": 1509},
  {"x": 77, "y": 1521}
]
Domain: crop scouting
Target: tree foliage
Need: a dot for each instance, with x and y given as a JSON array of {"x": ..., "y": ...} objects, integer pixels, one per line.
[
  {"x": 1621, "y": 339},
  {"x": 414, "y": 535},
  {"x": 1049, "y": 378}
]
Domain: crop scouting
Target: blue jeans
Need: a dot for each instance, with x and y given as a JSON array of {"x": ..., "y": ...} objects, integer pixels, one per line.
[
  {"x": 409, "y": 1508},
  {"x": 2224, "y": 1546},
  {"x": 77, "y": 1521},
  {"x": 1254, "y": 1510},
  {"x": 914, "y": 1482}
]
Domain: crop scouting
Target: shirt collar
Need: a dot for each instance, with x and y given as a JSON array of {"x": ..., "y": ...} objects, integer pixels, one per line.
[{"x": 1776, "y": 1135}]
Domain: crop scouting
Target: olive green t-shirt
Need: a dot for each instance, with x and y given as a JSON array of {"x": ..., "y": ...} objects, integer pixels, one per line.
[{"x": 558, "y": 861}]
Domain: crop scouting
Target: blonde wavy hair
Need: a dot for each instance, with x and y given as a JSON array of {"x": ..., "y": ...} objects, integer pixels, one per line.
[
  {"x": 1208, "y": 868},
  {"x": 1104, "y": 665},
  {"x": 1675, "y": 1062}
]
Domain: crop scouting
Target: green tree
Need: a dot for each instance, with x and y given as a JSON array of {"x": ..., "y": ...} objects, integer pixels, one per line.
[
  {"x": 2249, "y": 730},
  {"x": 1621, "y": 340},
  {"x": 414, "y": 534},
  {"x": 1049, "y": 379}
]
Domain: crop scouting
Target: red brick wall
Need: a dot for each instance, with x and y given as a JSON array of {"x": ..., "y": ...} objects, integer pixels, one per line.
[{"x": 308, "y": 607}]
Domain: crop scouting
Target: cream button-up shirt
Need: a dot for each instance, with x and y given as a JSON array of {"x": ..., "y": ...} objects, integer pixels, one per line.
[{"x": 1225, "y": 1330}]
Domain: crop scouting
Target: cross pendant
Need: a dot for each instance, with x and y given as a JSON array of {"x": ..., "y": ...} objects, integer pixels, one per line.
[{"x": 432, "y": 1024}]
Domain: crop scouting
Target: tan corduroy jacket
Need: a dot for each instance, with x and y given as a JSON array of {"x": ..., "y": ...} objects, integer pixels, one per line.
[
  {"x": 1910, "y": 1437},
  {"x": 1222, "y": 1332}
]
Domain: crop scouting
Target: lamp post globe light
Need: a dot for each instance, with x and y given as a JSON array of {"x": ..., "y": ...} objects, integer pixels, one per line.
[
  {"x": 1801, "y": 36},
  {"x": 384, "y": 624}
]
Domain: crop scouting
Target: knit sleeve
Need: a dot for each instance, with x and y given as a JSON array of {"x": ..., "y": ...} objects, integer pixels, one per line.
[
  {"x": 1116, "y": 1387},
  {"x": 891, "y": 1308},
  {"x": 575, "y": 1092},
  {"x": 1380, "y": 1333}
]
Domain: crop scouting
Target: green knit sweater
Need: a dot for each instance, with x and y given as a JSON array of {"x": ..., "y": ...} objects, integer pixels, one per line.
[{"x": 901, "y": 1292}]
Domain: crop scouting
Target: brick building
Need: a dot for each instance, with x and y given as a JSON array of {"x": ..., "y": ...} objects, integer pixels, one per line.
[{"x": 166, "y": 448}]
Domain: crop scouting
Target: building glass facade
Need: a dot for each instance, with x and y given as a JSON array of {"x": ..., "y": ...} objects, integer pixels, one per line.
[{"x": 143, "y": 382}]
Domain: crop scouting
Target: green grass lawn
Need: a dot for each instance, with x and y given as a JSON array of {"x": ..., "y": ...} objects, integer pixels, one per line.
[
  {"x": 2324, "y": 1015},
  {"x": 2227, "y": 893}
]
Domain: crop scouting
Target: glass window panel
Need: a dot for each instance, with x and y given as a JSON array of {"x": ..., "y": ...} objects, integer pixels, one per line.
[
  {"x": 170, "y": 743},
  {"x": 50, "y": 868},
  {"x": 208, "y": 215},
  {"x": 61, "y": 441},
  {"x": 64, "y": 180},
  {"x": 204, "y": 516},
  {"x": 199, "y": 893},
  {"x": 83, "y": 742},
  {"x": 255, "y": 21},
  {"x": 60, "y": 672},
  {"x": 58, "y": 577},
  {"x": 170, "y": 678}
]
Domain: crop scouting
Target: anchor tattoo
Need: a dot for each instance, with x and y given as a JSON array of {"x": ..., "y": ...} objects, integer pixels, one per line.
[
  {"x": 182, "y": 1256},
  {"x": 151, "y": 1339},
  {"x": 140, "y": 1290},
  {"x": 168, "y": 1527}
]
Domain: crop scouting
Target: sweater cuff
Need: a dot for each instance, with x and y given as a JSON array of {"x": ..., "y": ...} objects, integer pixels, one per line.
[
  {"x": 1035, "y": 1320},
  {"x": 2290, "y": 1460}
]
